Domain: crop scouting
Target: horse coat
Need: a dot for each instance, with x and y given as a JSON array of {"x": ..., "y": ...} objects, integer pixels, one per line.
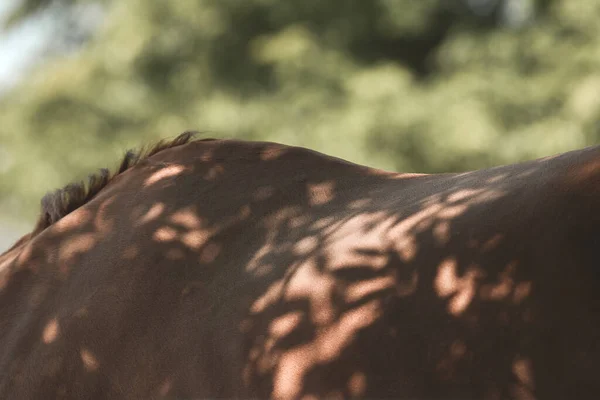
[{"x": 225, "y": 268}]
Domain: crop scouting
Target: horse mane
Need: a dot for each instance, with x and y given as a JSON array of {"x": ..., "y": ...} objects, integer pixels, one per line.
[{"x": 61, "y": 202}]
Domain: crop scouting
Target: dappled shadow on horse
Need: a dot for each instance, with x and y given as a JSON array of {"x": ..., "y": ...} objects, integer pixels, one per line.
[{"x": 223, "y": 268}]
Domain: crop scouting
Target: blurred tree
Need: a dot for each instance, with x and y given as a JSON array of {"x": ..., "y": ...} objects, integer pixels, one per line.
[{"x": 428, "y": 85}]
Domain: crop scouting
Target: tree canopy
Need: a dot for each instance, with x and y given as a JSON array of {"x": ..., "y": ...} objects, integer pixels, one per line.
[{"x": 428, "y": 85}]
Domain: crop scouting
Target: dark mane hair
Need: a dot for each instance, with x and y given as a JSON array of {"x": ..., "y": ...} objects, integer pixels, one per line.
[{"x": 55, "y": 205}]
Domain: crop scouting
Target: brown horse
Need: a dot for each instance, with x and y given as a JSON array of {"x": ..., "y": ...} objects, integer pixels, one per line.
[{"x": 223, "y": 268}]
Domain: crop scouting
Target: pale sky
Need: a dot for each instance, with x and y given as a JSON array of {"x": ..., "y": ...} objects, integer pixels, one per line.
[{"x": 19, "y": 46}]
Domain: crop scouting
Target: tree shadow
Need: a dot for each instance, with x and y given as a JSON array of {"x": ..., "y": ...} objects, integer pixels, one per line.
[{"x": 239, "y": 269}]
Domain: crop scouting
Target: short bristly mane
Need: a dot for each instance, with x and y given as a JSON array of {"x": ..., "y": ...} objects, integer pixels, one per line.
[{"x": 55, "y": 205}]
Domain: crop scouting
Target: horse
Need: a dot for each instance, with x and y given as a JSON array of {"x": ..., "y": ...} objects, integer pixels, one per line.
[{"x": 213, "y": 268}]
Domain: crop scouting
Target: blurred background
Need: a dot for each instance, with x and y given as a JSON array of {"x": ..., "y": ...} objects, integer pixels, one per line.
[{"x": 407, "y": 85}]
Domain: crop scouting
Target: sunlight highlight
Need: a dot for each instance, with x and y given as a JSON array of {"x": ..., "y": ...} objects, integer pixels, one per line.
[
  {"x": 153, "y": 213},
  {"x": 51, "y": 331},
  {"x": 320, "y": 193},
  {"x": 164, "y": 173},
  {"x": 186, "y": 218},
  {"x": 165, "y": 234},
  {"x": 90, "y": 362},
  {"x": 78, "y": 245}
]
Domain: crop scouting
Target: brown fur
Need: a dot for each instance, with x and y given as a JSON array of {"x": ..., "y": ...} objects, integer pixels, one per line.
[
  {"x": 56, "y": 205},
  {"x": 234, "y": 269}
]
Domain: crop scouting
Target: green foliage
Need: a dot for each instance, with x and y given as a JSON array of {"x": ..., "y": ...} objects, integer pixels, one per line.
[{"x": 425, "y": 85}]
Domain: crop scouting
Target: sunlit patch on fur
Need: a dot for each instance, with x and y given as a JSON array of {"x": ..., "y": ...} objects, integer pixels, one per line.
[
  {"x": 89, "y": 360},
  {"x": 299, "y": 221},
  {"x": 272, "y": 152},
  {"x": 186, "y": 218},
  {"x": 323, "y": 223},
  {"x": 309, "y": 283},
  {"x": 446, "y": 281},
  {"x": 463, "y": 194},
  {"x": 51, "y": 331},
  {"x": 165, "y": 234},
  {"x": 497, "y": 292},
  {"x": 285, "y": 324},
  {"x": 492, "y": 243},
  {"x": 407, "y": 248},
  {"x": 506, "y": 287},
  {"x": 463, "y": 298},
  {"x": 153, "y": 213},
  {"x": 103, "y": 221},
  {"x": 306, "y": 245},
  {"x": 164, "y": 173},
  {"x": 214, "y": 172},
  {"x": 271, "y": 295},
  {"x": 78, "y": 245},
  {"x": 364, "y": 288},
  {"x": 165, "y": 387},
  {"x": 329, "y": 344},
  {"x": 523, "y": 371},
  {"x": 452, "y": 211},
  {"x": 257, "y": 260},
  {"x": 522, "y": 291},
  {"x": 320, "y": 193},
  {"x": 357, "y": 384},
  {"x": 441, "y": 232},
  {"x": 74, "y": 220},
  {"x": 497, "y": 178},
  {"x": 25, "y": 254},
  {"x": 194, "y": 239},
  {"x": 462, "y": 289},
  {"x": 357, "y": 204}
]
